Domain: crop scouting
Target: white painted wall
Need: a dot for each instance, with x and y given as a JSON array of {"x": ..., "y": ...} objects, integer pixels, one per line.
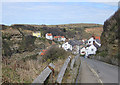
[
  {"x": 83, "y": 50},
  {"x": 66, "y": 46},
  {"x": 91, "y": 50},
  {"x": 90, "y": 41},
  {"x": 63, "y": 39},
  {"x": 49, "y": 37}
]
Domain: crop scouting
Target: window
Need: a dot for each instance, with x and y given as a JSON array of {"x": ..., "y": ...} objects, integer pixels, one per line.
[
  {"x": 83, "y": 52},
  {"x": 89, "y": 41},
  {"x": 92, "y": 49}
]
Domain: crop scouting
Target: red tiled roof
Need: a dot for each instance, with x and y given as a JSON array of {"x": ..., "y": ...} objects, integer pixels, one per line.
[
  {"x": 44, "y": 50},
  {"x": 49, "y": 34},
  {"x": 62, "y": 36},
  {"x": 42, "y": 53},
  {"x": 55, "y": 36},
  {"x": 97, "y": 37}
]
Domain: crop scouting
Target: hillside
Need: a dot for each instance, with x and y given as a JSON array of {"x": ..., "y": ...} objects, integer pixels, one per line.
[
  {"x": 17, "y": 36},
  {"x": 20, "y": 49},
  {"x": 109, "y": 39},
  {"x": 65, "y": 29}
]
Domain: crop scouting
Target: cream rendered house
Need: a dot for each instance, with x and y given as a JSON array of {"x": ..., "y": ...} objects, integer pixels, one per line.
[{"x": 37, "y": 34}]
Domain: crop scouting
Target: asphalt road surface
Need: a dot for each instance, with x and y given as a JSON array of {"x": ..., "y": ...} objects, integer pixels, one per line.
[{"x": 94, "y": 71}]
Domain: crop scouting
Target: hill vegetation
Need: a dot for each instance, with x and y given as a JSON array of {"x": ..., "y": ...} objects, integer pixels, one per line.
[
  {"x": 110, "y": 40},
  {"x": 21, "y": 62}
]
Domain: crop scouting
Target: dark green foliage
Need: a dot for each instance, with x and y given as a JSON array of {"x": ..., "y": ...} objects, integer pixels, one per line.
[
  {"x": 6, "y": 51},
  {"x": 55, "y": 53},
  {"x": 50, "y": 41},
  {"x": 42, "y": 39},
  {"x": 25, "y": 27},
  {"x": 64, "y": 30},
  {"x": 30, "y": 57},
  {"x": 103, "y": 53},
  {"x": 6, "y": 36},
  {"x": 27, "y": 43}
]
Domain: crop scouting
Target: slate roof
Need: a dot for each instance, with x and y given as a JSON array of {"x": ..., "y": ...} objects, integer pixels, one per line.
[
  {"x": 96, "y": 45},
  {"x": 75, "y": 42},
  {"x": 97, "y": 40}
]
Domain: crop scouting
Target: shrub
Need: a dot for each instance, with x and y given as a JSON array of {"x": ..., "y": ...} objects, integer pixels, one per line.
[
  {"x": 103, "y": 53},
  {"x": 27, "y": 43},
  {"x": 55, "y": 53},
  {"x": 50, "y": 42},
  {"x": 6, "y": 51}
]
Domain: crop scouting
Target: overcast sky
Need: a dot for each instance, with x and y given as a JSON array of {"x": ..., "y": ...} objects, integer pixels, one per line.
[{"x": 53, "y": 13}]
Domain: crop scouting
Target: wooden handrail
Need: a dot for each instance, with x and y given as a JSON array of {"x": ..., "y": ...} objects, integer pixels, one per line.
[
  {"x": 62, "y": 71},
  {"x": 44, "y": 74}
]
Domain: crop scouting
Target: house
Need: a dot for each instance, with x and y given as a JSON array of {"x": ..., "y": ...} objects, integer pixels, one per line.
[
  {"x": 92, "y": 46},
  {"x": 59, "y": 38},
  {"x": 37, "y": 34},
  {"x": 75, "y": 46},
  {"x": 90, "y": 50},
  {"x": 97, "y": 41},
  {"x": 63, "y": 38},
  {"x": 82, "y": 51},
  {"x": 90, "y": 41},
  {"x": 42, "y": 52},
  {"x": 66, "y": 46},
  {"x": 84, "y": 40},
  {"x": 49, "y": 36}
]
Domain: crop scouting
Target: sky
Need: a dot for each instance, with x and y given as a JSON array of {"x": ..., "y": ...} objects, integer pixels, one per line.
[{"x": 53, "y": 13}]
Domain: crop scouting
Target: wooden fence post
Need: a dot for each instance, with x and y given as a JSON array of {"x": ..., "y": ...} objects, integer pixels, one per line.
[{"x": 44, "y": 74}]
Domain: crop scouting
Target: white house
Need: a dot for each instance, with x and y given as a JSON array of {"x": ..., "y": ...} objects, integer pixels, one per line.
[
  {"x": 67, "y": 46},
  {"x": 63, "y": 38},
  {"x": 90, "y": 41},
  {"x": 82, "y": 51},
  {"x": 90, "y": 50},
  {"x": 59, "y": 38},
  {"x": 49, "y": 36},
  {"x": 92, "y": 46}
]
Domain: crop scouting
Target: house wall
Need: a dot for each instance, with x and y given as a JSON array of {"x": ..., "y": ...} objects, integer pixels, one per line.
[
  {"x": 90, "y": 41},
  {"x": 37, "y": 34},
  {"x": 67, "y": 46},
  {"x": 49, "y": 37},
  {"x": 91, "y": 50},
  {"x": 83, "y": 50},
  {"x": 63, "y": 39}
]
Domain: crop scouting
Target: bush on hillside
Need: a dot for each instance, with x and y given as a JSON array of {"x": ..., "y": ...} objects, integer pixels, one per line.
[
  {"x": 27, "y": 43},
  {"x": 6, "y": 51},
  {"x": 55, "y": 53}
]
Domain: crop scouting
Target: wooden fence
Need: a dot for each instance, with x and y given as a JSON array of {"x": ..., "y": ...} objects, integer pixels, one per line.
[
  {"x": 50, "y": 68},
  {"x": 62, "y": 71},
  {"x": 44, "y": 74}
]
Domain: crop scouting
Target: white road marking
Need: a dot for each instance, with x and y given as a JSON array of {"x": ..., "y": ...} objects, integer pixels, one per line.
[{"x": 95, "y": 73}]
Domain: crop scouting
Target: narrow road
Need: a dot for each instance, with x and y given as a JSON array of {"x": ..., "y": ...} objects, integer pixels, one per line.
[{"x": 94, "y": 71}]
